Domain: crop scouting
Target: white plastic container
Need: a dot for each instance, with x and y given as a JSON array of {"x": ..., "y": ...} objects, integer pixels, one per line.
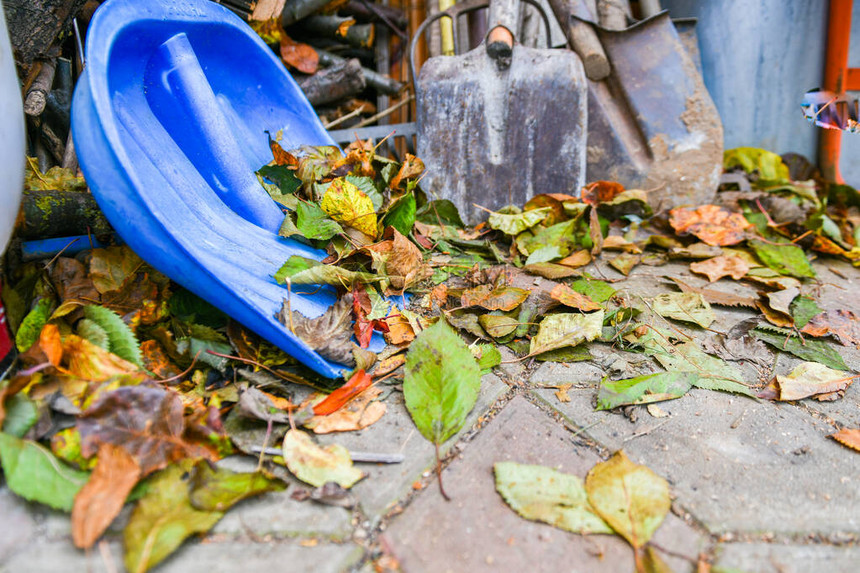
[{"x": 11, "y": 138}]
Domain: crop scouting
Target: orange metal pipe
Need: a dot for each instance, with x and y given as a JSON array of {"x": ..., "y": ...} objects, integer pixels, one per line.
[{"x": 835, "y": 76}]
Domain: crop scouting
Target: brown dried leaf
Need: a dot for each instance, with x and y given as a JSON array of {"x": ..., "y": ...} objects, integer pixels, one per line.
[
  {"x": 774, "y": 316},
  {"x": 329, "y": 334},
  {"x": 601, "y": 192},
  {"x": 712, "y": 224},
  {"x": 71, "y": 281},
  {"x": 359, "y": 413},
  {"x": 298, "y": 55},
  {"x": 578, "y": 259},
  {"x": 811, "y": 379},
  {"x": 409, "y": 169},
  {"x": 148, "y": 423},
  {"x": 721, "y": 266},
  {"x": 86, "y": 360},
  {"x": 494, "y": 298},
  {"x": 110, "y": 267},
  {"x": 716, "y": 297},
  {"x": 156, "y": 361},
  {"x": 404, "y": 263},
  {"x": 848, "y": 437},
  {"x": 101, "y": 499},
  {"x": 780, "y": 301},
  {"x": 842, "y": 324},
  {"x": 569, "y": 297}
]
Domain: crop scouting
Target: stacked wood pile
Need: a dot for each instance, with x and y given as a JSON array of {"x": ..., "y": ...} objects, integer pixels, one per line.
[{"x": 339, "y": 51}]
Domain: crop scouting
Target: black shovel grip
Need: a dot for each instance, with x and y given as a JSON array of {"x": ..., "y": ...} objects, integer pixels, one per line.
[{"x": 454, "y": 12}]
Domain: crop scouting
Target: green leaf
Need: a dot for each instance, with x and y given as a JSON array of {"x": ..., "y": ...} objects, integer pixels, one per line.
[
  {"x": 769, "y": 165},
  {"x": 94, "y": 333},
  {"x": 498, "y": 325},
  {"x": 368, "y": 187},
  {"x": 35, "y": 474},
  {"x": 544, "y": 494},
  {"x": 713, "y": 373},
  {"x": 188, "y": 307},
  {"x": 803, "y": 308},
  {"x": 218, "y": 489},
  {"x": 164, "y": 518},
  {"x": 302, "y": 271},
  {"x": 401, "y": 214},
  {"x": 784, "y": 258},
  {"x": 31, "y": 326},
  {"x": 317, "y": 466},
  {"x": 808, "y": 349},
  {"x": 598, "y": 291},
  {"x": 282, "y": 176},
  {"x": 566, "y": 329},
  {"x": 441, "y": 383},
  {"x": 631, "y": 498},
  {"x": 316, "y": 162},
  {"x": 559, "y": 235},
  {"x": 313, "y": 223},
  {"x": 684, "y": 306},
  {"x": 203, "y": 338},
  {"x": 121, "y": 340},
  {"x": 21, "y": 414},
  {"x": 514, "y": 224},
  {"x": 348, "y": 205},
  {"x": 643, "y": 389},
  {"x": 487, "y": 355},
  {"x": 546, "y": 254},
  {"x": 568, "y": 354},
  {"x": 439, "y": 212}
]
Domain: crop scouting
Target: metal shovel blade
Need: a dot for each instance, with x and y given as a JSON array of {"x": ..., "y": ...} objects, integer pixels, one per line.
[
  {"x": 493, "y": 137},
  {"x": 652, "y": 123}
]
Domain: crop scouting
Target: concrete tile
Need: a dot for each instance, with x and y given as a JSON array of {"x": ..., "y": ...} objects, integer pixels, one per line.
[
  {"x": 279, "y": 515},
  {"x": 195, "y": 556},
  {"x": 16, "y": 524},
  {"x": 478, "y": 532},
  {"x": 777, "y": 558},
  {"x": 734, "y": 463},
  {"x": 396, "y": 433}
]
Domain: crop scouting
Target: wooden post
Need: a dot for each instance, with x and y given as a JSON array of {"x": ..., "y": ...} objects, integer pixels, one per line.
[{"x": 835, "y": 76}]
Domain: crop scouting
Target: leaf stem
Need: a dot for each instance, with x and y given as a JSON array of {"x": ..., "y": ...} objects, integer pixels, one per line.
[{"x": 439, "y": 473}]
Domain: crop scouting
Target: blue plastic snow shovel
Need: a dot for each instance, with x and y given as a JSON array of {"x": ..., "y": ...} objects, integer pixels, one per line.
[{"x": 168, "y": 122}]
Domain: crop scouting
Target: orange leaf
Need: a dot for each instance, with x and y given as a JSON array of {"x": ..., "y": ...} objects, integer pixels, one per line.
[
  {"x": 51, "y": 344},
  {"x": 281, "y": 156},
  {"x": 601, "y": 192},
  {"x": 843, "y": 324},
  {"x": 499, "y": 298},
  {"x": 299, "y": 56},
  {"x": 714, "y": 225},
  {"x": 334, "y": 401},
  {"x": 102, "y": 498},
  {"x": 849, "y": 437},
  {"x": 569, "y": 297},
  {"x": 721, "y": 266}
]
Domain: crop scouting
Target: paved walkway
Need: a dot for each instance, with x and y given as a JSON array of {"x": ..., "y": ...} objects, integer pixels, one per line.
[{"x": 757, "y": 486}]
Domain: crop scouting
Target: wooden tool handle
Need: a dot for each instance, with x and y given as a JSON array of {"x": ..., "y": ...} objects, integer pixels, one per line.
[
  {"x": 582, "y": 37},
  {"x": 502, "y": 21}
]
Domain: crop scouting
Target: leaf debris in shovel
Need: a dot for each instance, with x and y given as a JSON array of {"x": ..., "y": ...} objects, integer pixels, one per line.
[{"x": 329, "y": 334}]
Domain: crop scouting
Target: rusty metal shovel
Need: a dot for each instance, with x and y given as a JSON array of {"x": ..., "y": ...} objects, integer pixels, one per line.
[
  {"x": 651, "y": 122},
  {"x": 502, "y": 122}
]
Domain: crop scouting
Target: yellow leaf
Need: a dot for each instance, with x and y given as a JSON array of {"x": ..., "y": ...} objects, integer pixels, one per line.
[{"x": 347, "y": 204}]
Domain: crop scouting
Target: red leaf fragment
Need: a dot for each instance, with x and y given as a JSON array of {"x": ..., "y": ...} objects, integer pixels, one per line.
[{"x": 337, "y": 399}]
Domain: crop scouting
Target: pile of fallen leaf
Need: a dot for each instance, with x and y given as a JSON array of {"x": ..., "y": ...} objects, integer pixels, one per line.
[{"x": 127, "y": 386}]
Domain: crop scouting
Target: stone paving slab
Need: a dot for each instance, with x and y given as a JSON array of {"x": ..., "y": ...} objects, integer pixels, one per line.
[
  {"x": 736, "y": 464},
  {"x": 777, "y": 558},
  {"x": 478, "y": 532},
  {"x": 207, "y": 556},
  {"x": 386, "y": 484}
]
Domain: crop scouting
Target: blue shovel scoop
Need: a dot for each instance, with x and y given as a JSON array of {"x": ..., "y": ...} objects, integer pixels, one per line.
[{"x": 168, "y": 122}]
